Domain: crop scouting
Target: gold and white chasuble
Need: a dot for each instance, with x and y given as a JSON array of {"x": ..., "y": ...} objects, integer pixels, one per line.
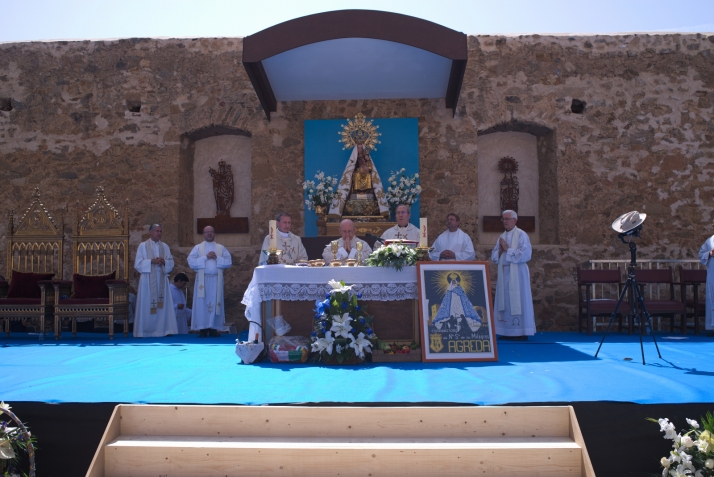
[{"x": 290, "y": 244}]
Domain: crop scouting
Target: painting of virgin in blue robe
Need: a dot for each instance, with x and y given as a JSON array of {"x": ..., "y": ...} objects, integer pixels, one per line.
[{"x": 456, "y": 308}]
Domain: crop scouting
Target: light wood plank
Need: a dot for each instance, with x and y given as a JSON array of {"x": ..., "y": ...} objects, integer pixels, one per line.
[
  {"x": 476, "y": 421},
  {"x": 113, "y": 430},
  {"x": 188, "y": 462},
  {"x": 577, "y": 437},
  {"x": 351, "y": 443}
]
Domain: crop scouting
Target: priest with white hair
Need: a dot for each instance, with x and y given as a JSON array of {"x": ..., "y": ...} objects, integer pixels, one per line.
[
  {"x": 208, "y": 259},
  {"x": 515, "y": 318}
]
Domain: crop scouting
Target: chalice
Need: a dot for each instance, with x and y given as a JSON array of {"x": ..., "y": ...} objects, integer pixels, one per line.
[
  {"x": 334, "y": 246},
  {"x": 359, "y": 254}
]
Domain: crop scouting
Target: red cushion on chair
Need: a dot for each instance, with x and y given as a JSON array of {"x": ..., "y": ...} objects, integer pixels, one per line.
[
  {"x": 19, "y": 301},
  {"x": 24, "y": 285},
  {"x": 91, "y": 286},
  {"x": 85, "y": 301}
]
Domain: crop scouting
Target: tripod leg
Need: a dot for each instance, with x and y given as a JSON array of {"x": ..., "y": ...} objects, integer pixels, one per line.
[
  {"x": 648, "y": 320},
  {"x": 614, "y": 314}
]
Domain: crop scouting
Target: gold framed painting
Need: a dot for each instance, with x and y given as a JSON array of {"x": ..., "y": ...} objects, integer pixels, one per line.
[{"x": 456, "y": 311}]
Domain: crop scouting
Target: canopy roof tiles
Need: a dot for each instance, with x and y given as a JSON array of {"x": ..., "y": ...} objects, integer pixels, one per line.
[{"x": 355, "y": 54}]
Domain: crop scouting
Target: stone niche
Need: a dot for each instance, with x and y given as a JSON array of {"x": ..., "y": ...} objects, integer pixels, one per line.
[
  {"x": 201, "y": 151},
  {"x": 523, "y": 148}
]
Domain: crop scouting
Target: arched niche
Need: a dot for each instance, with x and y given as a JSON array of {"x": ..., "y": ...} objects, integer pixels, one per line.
[
  {"x": 202, "y": 150},
  {"x": 533, "y": 147}
]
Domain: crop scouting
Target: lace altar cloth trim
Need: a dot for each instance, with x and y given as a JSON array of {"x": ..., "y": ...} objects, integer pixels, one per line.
[{"x": 370, "y": 292}]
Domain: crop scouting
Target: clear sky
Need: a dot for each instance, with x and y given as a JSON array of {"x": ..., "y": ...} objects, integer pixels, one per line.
[{"x": 26, "y": 20}]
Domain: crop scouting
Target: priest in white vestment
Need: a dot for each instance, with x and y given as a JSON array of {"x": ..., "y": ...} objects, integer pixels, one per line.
[
  {"x": 705, "y": 256},
  {"x": 403, "y": 230},
  {"x": 288, "y": 242},
  {"x": 347, "y": 244},
  {"x": 515, "y": 318},
  {"x": 208, "y": 259},
  {"x": 178, "y": 295},
  {"x": 154, "y": 306},
  {"x": 454, "y": 243}
]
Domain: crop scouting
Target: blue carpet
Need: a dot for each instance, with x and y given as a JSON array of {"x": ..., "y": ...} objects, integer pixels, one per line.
[{"x": 550, "y": 367}]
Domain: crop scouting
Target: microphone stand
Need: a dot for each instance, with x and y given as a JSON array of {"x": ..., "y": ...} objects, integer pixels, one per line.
[{"x": 634, "y": 296}]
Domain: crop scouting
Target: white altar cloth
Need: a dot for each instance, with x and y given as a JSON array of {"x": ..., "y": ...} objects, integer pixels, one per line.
[{"x": 291, "y": 283}]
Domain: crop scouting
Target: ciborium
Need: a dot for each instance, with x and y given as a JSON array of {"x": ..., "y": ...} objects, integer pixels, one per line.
[
  {"x": 273, "y": 257},
  {"x": 423, "y": 254}
]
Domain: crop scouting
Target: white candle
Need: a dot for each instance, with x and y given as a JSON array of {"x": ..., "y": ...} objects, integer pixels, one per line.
[
  {"x": 273, "y": 235},
  {"x": 423, "y": 234}
]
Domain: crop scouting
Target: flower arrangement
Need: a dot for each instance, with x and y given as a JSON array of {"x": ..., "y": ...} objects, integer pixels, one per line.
[
  {"x": 402, "y": 189},
  {"x": 320, "y": 192},
  {"x": 343, "y": 330},
  {"x": 14, "y": 441},
  {"x": 394, "y": 255},
  {"x": 692, "y": 453}
]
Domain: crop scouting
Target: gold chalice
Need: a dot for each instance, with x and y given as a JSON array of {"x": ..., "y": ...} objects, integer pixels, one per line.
[
  {"x": 359, "y": 254},
  {"x": 335, "y": 246}
]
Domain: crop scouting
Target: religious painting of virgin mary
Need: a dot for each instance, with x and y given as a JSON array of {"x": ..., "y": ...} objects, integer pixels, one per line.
[{"x": 456, "y": 312}]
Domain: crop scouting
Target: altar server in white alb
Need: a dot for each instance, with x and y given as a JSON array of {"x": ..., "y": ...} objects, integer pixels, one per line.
[
  {"x": 208, "y": 259},
  {"x": 454, "y": 243},
  {"x": 154, "y": 307},
  {"x": 403, "y": 230},
  {"x": 182, "y": 312},
  {"x": 705, "y": 256},
  {"x": 288, "y": 242},
  {"x": 347, "y": 244},
  {"x": 515, "y": 318}
]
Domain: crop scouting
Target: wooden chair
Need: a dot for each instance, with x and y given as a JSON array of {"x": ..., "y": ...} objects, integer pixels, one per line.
[
  {"x": 697, "y": 303},
  {"x": 34, "y": 257},
  {"x": 589, "y": 305},
  {"x": 661, "y": 306},
  {"x": 100, "y": 263}
]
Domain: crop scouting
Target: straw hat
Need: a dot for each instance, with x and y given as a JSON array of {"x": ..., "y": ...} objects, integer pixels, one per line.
[{"x": 628, "y": 221}]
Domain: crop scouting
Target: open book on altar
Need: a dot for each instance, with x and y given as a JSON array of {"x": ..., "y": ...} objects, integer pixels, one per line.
[{"x": 408, "y": 243}]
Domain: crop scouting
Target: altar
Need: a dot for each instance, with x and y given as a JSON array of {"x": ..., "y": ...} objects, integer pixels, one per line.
[{"x": 291, "y": 291}]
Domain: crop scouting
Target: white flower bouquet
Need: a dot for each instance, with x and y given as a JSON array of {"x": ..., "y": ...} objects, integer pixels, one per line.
[
  {"x": 395, "y": 255},
  {"x": 343, "y": 330},
  {"x": 320, "y": 192},
  {"x": 14, "y": 441},
  {"x": 692, "y": 453},
  {"x": 402, "y": 189}
]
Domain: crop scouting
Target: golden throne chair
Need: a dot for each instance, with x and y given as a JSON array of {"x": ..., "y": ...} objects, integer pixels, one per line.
[
  {"x": 100, "y": 260},
  {"x": 34, "y": 256}
]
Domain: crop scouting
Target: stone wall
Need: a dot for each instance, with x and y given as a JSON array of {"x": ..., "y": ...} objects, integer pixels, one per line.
[{"x": 125, "y": 114}]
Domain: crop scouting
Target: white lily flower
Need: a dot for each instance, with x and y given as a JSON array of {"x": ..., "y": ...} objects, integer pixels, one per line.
[
  {"x": 687, "y": 442},
  {"x": 324, "y": 344},
  {"x": 338, "y": 287},
  {"x": 341, "y": 325},
  {"x": 693, "y": 423},
  {"x": 703, "y": 446},
  {"x": 360, "y": 345},
  {"x": 668, "y": 428}
]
